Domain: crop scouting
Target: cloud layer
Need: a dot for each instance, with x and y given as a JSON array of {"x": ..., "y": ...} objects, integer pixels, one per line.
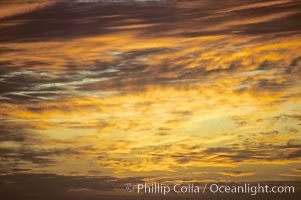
[{"x": 180, "y": 90}]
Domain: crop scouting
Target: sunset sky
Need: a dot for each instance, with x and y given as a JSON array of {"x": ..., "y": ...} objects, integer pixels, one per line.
[{"x": 171, "y": 91}]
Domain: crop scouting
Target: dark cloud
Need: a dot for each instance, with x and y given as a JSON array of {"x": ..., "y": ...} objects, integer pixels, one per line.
[
  {"x": 51, "y": 186},
  {"x": 252, "y": 151},
  {"x": 35, "y": 156},
  {"x": 19, "y": 132},
  {"x": 294, "y": 116},
  {"x": 271, "y": 153},
  {"x": 270, "y": 133},
  {"x": 4, "y": 50},
  {"x": 25, "y": 136},
  {"x": 66, "y": 21}
]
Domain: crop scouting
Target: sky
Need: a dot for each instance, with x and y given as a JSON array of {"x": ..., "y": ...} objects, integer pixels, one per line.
[{"x": 164, "y": 91}]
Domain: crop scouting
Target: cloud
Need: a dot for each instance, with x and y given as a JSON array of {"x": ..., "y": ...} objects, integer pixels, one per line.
[
  {"x": 52, "y": 186},
  {"x": 297, "y": 170},
  {"x": 15, "y": 7},
  {"x": 237, "y": 173},
  {"x": 152, "y": 88},
  {"x": 296, "y": 176},
  {"x": 34, "y": 156},
  {"x": 45, "y": 186},
  {"x": 254, "y": 20}
]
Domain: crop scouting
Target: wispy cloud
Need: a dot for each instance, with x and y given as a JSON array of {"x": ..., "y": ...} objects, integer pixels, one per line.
[
  {"x": 132, "y": 90},
  {"x": 237, "y": 173},
  {"x": 15, "y": 7}
]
